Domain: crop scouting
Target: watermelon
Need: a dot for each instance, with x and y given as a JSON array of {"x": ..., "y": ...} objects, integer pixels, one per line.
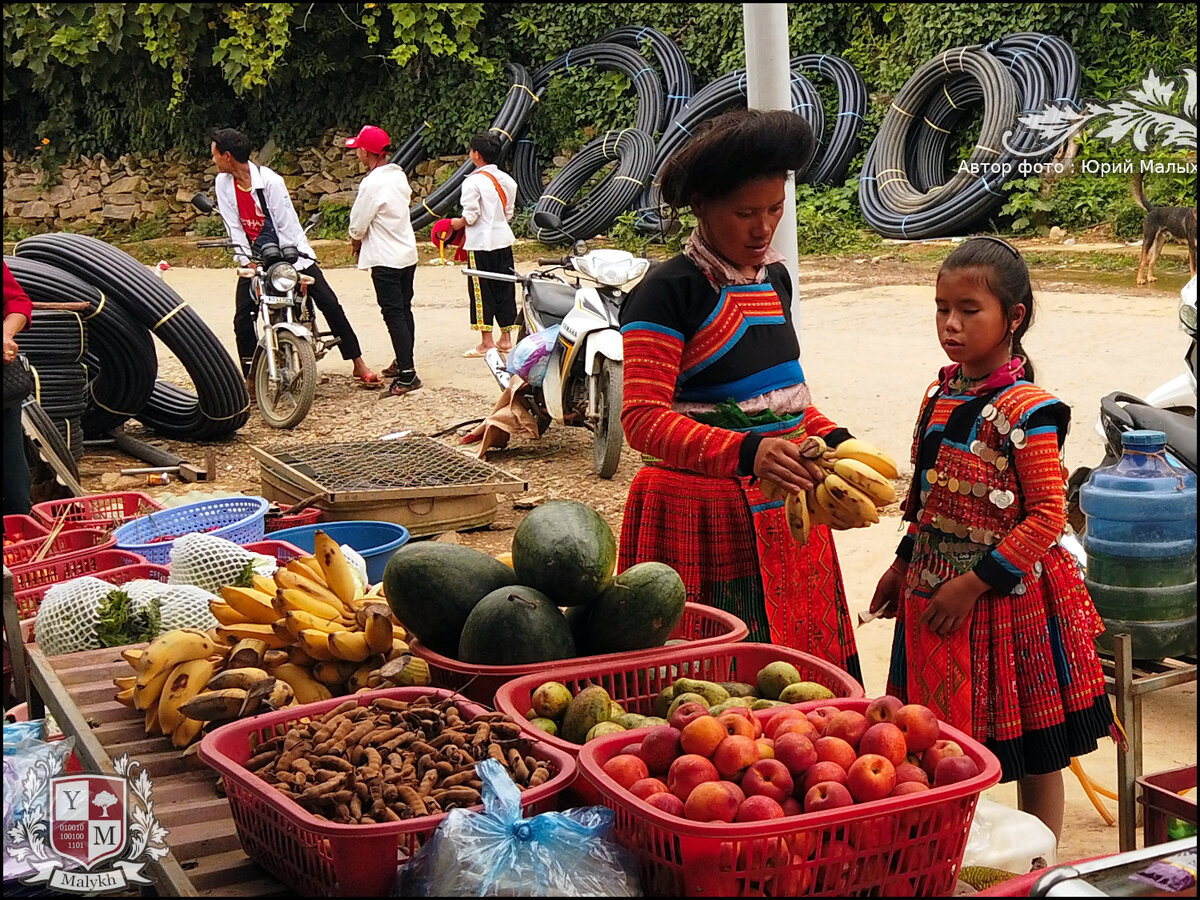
[
  {"x": 638, "y": 610},
  {"x": 515, "y": 625},
  {"x": 565, "y": 550}
]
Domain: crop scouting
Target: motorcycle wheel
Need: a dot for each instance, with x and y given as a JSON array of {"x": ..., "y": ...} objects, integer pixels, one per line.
[
  {"x": 286, "y": 403},
  {"x": 609, "y": 436}
]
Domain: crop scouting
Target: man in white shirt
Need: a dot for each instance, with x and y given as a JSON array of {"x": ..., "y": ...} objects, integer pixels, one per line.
[
  {"x": 488, "y": 196},
  {"x": 381, "y": 234},
  {"x": 252, "y": 200}
]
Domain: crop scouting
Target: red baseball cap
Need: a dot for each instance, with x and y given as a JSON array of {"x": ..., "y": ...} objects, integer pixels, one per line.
[{"x": 371, "y": 138}]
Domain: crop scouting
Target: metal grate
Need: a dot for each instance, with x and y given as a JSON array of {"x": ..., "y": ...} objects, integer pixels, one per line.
[{"x": 415, "y": 461}]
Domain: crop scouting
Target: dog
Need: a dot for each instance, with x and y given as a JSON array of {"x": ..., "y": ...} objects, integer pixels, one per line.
[{"x": 1162, "y": 222}]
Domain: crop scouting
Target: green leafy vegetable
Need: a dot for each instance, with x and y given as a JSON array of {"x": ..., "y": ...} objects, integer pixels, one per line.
[
  {"x": 246, "y": 578},
  {"x": 121, "y": 623}
]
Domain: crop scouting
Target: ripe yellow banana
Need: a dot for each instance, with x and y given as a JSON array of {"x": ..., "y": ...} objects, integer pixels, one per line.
[
  {"x": 297, "y": 655},
  {"x": 378, "y": 631},
  {"x": 243, "y": 678},
  {"x": 247, "y": 652},
  {"x": 273, "y": 658},
  {"x": 816, "y": 513},
  {"x": 185, "y": 732},
  {"x": 337, "y": 570},
  {"x": 298, "y": 620},
  {"x": 306, "y": 688},
  {"x": 124, "y": 682},
  {"x": 281, "y": 695},
  {"x": 170, "y": 649},
  {"x": 315, "y": 643},
  {"x": 146, "y": 694},
  {"x": 850, "y": 498},
  {"x": 349, "y": 645},
  {"x": 838, "y": 517},
  {"x": 294, "y": 598},
  {"x": 264, "y": 633},
  {"x": 152, "y": 720},
  {"x": 333, "y": 674},
  {"x": 317, "y": 590},
  {"x": 131, "y": 655},
  {"x": 796, "y": 510},
  {"x": 360, "y": 677},
  {"x": 224, "y": 613},
  {"x": 264, "y": 584},
  {"x": 255, "y": 606},
  {"x": 308, "y": 567},
  {"x": 124, "y": 696},
  {"x": 853, "y": 448},
  {"x": 219, "y": 705},
  {"x": 399, "y": 647},
  {"x": 860, "y": 475},
  {"x": 185, "y": 681}
]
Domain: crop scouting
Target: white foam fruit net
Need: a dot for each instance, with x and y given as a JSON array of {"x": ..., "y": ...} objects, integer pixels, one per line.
[
  {"x": 70, "y": 611},
  {"x": 179, "y": 605},
  {"x": 209, "y": 562}
]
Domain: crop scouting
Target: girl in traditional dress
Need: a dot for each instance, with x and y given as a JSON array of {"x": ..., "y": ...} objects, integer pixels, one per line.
[
  {"x": 715, "y": 398},
  {"x": 994, "y": 627}
]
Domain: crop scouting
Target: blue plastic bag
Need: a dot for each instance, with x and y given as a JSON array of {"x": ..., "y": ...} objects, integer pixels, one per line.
[
  {"x": 497, "y": 853},
  {"x": 529, "y": 359}
]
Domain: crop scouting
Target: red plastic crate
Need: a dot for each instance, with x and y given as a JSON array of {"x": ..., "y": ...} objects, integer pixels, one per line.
[
  {"x": 700, "y": 626},
  {"x": 312, "y": 855},
  {"x": 97, "y": 510},
  {"x": 1161, "y": 798},
  {"x": 30, "y": 584},
  {"x": 23, "y": 528},
  {"x": 66, "y": 543},
  {"x": 282, "y": 551},
  {"x": 287, "y": 519},
  {"x": 908, "y": 846}
]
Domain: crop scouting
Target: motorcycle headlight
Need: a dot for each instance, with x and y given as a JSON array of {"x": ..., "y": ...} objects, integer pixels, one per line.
[
  {"x": 1187, "y": 317},
  {"x": 283, "y": 277}
]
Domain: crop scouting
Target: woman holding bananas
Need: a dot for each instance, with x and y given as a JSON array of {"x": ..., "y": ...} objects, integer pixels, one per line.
[{"x": 717, "y": 403}]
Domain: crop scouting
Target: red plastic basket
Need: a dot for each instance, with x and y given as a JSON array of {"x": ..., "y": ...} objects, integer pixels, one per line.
[
  {"x": 1162, "y": 800},
  {"x": 282, "y": 551},
  {"x": 31, "y": 583},
  {"x": 908, "y": 846},
  {"x": 701, "y": 626},
  {"x": 312, "y": 855},
  {"x": 67, "y": 543},
  {"x": 97, "y": 510},
  {"x": 23, "y": 528},
  {"x": 287, "y": 519}
]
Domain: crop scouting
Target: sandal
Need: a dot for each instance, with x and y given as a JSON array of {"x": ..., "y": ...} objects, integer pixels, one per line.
[
  {"x": 474, "y": 353},
  {"x": 371, "y": 382}
]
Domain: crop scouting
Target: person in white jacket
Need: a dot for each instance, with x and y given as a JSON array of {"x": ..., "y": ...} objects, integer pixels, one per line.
[
  {"x": 381, "y": 235},
  {"x": 252, "y": 200},
  {"x": 488, "y": 197}
]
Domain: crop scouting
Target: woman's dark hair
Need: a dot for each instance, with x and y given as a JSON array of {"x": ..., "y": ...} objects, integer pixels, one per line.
[
  {"x": 1003, "y": 270},
  {"x": 233, "y": 142},
  {"x": 488, "y": 145},
  {"x": 732, "y": 149}
]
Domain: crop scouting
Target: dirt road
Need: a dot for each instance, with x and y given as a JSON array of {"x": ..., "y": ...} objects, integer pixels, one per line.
[{"x": 869, "y": 350}]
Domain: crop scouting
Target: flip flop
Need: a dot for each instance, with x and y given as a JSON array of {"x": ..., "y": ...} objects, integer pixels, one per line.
[
  {"x": 371, "y": 383},
  {"x": 474, "y": 353}
]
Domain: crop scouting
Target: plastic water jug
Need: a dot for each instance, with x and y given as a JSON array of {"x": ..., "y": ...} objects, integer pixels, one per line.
[{"x": 1141, "y": 548}]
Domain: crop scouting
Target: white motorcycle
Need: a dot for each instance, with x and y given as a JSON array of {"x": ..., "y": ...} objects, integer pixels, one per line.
[{"x": 582, "y": 294}]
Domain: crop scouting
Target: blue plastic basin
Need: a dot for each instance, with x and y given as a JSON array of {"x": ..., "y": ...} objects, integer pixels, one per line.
[{"x": 375, "y": 542}]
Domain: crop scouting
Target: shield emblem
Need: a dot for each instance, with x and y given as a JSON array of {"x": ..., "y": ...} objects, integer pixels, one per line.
[{"x": 88, "y": 815}]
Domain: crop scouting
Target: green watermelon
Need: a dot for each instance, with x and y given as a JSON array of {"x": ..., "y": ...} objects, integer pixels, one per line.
[
  {"x": 515, "y": 625},
  {"x": 639, "y": 609},
  {"x": 565, "y": 550},
  {"x": 432, "y": 588}
]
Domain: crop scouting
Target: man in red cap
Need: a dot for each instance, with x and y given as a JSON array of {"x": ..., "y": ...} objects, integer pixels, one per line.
[{"x": 381, "y": 234}]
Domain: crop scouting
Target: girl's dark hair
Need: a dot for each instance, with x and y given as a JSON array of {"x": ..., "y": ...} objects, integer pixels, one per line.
[
  {"x": 731, "y": 149},
  {"x": 1003, "y": 270}
]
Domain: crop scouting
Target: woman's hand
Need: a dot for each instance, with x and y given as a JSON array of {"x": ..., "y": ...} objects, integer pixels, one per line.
[
  {"x": 952, "y": 603},
  {"x": 10, "y": 346},
  {"x": 780, "y": 459},
  {"x": 886, "y": 599}
]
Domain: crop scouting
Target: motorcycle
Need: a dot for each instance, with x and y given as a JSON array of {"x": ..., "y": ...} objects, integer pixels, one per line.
[
  {"x": 284, "y": 368},
  {"x": 581, "y": 293}
]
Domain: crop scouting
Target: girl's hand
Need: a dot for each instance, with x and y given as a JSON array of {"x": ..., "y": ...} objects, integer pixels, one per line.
[
  {"x": 952, "y": 603},
  {"x": 887, "y": 593},
  {"x": 780, "y": 459}
]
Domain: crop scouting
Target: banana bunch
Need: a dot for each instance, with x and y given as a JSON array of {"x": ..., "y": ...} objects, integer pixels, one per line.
[
  {"x": 857, "y": 485},
  {"x": 307, "y": 634}
]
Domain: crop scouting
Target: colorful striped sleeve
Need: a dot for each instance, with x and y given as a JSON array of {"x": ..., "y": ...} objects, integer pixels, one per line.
[{"x": 819, "y": 424}]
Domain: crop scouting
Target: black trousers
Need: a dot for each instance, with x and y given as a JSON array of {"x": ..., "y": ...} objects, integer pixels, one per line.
[
  {"x": 394, "y": 292},
  {"x": 323, "y": 297},
  {"x": 17, "y": 482},
  {"x": 492, "y": 299}
]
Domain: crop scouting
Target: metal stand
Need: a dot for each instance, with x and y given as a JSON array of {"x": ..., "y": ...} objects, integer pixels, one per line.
[{"x": 1128, "y": 684}]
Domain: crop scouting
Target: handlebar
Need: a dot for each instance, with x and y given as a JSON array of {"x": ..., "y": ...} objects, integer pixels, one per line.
[
  {"x": 561, "y": 261},
  {"x": 207, "y": 245}
]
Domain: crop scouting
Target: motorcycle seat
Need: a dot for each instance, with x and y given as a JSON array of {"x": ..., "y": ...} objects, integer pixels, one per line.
[{"x": 552, "y": 300}]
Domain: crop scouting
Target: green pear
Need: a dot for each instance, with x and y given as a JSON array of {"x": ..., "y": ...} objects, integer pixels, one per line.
[
  {"x": 803, "y": 691},
  {"x": 774, "y": 677}
]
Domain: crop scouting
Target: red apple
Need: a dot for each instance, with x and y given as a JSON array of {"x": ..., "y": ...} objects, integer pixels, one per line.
[
  {"x": 883, "y": 709},
  {"x": 792, "y": 807},
  {"x": 685, "y": 712},
  {"x": 935, "y": 754},
  {"x": 836, "y": 869},
  {"x": 908, "y": 787},
  {"x": 919, "y": 724},
  {"x": 758, "y": 807},
  {"x": 734, "y": 755},
  {"x": 647, "y": 787},
  {"x": 799, "y": 725},
  {"x": 822, "y": 771},
  {"x": 834, "y": 749},
  {"x": 906, "y": 771},
  {"x": 766, "y": 748},
  {"x": 951, "y": 769},
  {"x": 625, "y": 769},
  {"x": 877, "y": 834},
  {"x": 778, "y": 717},
  {"x": 668, "y": 803},
  {"x": 688, "y": 771},
  {"x": 885, "y": 739},
  {"x": 768, "y": 778},
  {"x": 872, "y": 777},
  {"x": 713, "y": 801},
  {"x": 826, "y": 795},
  {"x": 796, "y": 752},
  {"x": 820, "y": 717},
  {"x": 701, "y": 735},
  {"x": 735, "y": 723},
  {"x": 746, "y": 713},
  {"x": 660, "y": 747},
  {"x": 634, "y": 749},
  {"x": 849, "y": 725}
]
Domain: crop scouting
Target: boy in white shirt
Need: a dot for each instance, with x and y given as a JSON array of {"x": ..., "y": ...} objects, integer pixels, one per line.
[
  {"x": 382, "y": 237},
  {"x": 488, "y": 196}
]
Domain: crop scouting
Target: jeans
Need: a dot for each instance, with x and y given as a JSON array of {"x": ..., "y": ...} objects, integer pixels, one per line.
[{"x": 394, "y": 292}]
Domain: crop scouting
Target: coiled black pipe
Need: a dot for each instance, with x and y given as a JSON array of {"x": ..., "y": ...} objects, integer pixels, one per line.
[
  {"x": 632, "y": 149},
  {"x": 121, "y": 359},
  {"x": 678, "y": 84},
  {"x": 410, "y": 152},
  {"x": 831, "y": 166},
  {"x": 221, "y": 405},
  {"x": 54, "y": 336},
  {"x": 509, "y": 121},
  {"x": 58, "y": 442}
]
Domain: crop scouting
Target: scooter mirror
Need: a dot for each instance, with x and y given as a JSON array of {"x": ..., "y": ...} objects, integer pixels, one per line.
[
  {"x": 547, "y": 221},
  {"x": 580, "y": 248},
  {"x": 201, "y": 202}
]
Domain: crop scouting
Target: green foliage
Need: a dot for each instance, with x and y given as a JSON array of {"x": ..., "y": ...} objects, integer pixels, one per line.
[
  {"x": 335, "y": 223},
  {"x": 625, "y": 236},
  {"x": 828, "y": 220},
  {"x": 149, "y": 228},
  {"x": 209, "y": 226}
]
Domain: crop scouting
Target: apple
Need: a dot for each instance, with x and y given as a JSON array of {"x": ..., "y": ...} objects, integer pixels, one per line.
[
  {"x": 820, "y": 717},
  {"x": 713, "y": 801},
  {"x": 872, "y": 777},
  {"x": 634, "y": 749},
  {"x": 792, "y": 807},
  {"x": 701, "y": 735},
  {"x": 667, "y": 803},
  {"x": 757, "y": 807},
  {"x": 849, "y": 725},
  {"x": 660, "y": 747},
  {"x": 834, "y": 749},
  {"x": 748, "y": 714},
  {"x": 836, "y": 869},
  {"x": 919, "y": 724},
  {"x": 796, "y": 752},
  {"x": 685, "y": 712},
  {"x": 951, "y": 769},
  {"x": 906, "y": 771},
  {"x": 625, "y": 769},
  {"x": 646, "y": 787},
  {"x": 935, "y": 754},
  {"x": 826, "y": 795},
  {"x": 768, "y": 778},
  {"x": 821, "y": 771},
  {"x": 688, "y": 771},
  {"x": 766, "y": 748},
  {"x": 883, "y": 709},
  {"x": 734, "y": 755},
  {"x": 877, "y": 834},
  {"x": 773, "y": 722},
  {"x": 800, "y": 725},
  {"x": 735, "y": 723},
  {"x": 908, "y": 787},
  {"x": 885, "y": 739}
]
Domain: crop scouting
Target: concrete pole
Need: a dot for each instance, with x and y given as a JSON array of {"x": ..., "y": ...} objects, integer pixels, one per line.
[{"x": 768, "y": 86}]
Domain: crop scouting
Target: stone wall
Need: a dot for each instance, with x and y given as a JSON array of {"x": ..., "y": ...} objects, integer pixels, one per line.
[{"x": 93, "y": 193}]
